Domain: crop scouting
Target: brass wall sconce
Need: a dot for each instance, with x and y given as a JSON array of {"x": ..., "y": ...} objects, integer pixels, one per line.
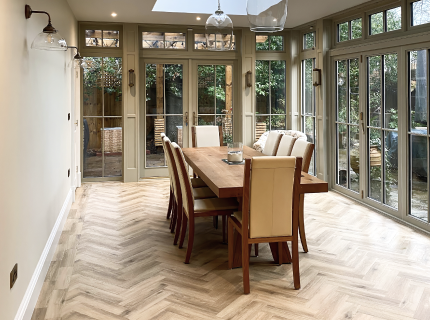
[
  {"x": 49, "y": 39},
  {"x": 131, "y": 78},
  {"x": 248, "y": 79},
  {"x": 80, "y": 62},
  {"x": 316, "y": 77}
]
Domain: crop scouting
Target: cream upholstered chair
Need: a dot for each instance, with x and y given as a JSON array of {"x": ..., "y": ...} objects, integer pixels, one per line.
[
  {"x": 305, "y": 150},
  {"x": 198, "y": 192},
  {"x": 270, "y": 210},
  {"x": 171, "y": 196},
  {"x": 193, "y": 208},
  {"x": 272, "y": 143},
  {"x": 286, "y": 145},
  {"x": 206, "y": 136}
]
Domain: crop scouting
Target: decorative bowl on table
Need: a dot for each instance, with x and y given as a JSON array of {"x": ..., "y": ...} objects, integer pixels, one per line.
[{"x": 235, "y": 152}]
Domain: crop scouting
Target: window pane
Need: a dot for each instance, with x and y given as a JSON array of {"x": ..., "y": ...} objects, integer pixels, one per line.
[
  {"x": 110, "y": 38},
  {"x": 226, "y": 122},
  {"x": 154, "y": 89},
  {"x": 262, "y": 42},
  {"x": 391, "y": 169},
  {"x": 262, "y": 86},
  {"x": 310, "y": 129},
  {"x": 377, "y": 23},
  {"x": 93, "y": 160},
  {"x": 93, "y": 38},
  {"x": 420, "y": 12},
  {"x": 173, "y": 87},
  {"x": 308, "y": 88},
  {"x": 375, "y": 92},
  {"x": 418, "y": 91},
  {"x": 354, "y": 91},
  {"x": 342, "y": 155},
  {"x": 112, "y": 76},
  {"x": 155, "y": 125},
  {"x": 206, "y": 86},
  {"x": 174, "y": 128},
  {"x": 92, "y": 96},
  {"x": 276, "y": 43},
  {"x": 390, "y": 76},
  {"x": 419, "y": 190},
  {"x": 309, "y": 40},
  {"x": 394, "y": 19},
  {"x": 220, "y": 92},
  {"x": 174, "y": 41},
  {"x": 278, "y": 122},
  {"x": 261, "y": 126},
  {"x": 354, "y": 158},
  {"x": 199, "y": 41},
  {"x": 152, "y": 40},
  {"x": 277, "y": 86},
  {"x": 356, "y": 29},
  {"x": 375, "y": 174},
  {"x": 342, "y": 96},
  {"x": 112, "y": 139},
  {"x": 343, "y": 31},
  {"x": 207, "y": 120}
]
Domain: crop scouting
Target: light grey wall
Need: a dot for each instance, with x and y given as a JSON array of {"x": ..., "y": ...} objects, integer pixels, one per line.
[{"x": 37, "y": 93}]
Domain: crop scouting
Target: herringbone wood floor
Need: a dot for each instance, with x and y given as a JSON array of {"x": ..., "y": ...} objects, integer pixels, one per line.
[{"x": 115, "y": 260}]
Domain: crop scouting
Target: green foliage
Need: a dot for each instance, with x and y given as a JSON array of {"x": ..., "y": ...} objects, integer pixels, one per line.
[{"x": 172, "y": 78}]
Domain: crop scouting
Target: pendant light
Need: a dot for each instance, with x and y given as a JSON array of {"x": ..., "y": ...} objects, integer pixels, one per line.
[
  {"x": 49, "y": 38},
  {"x": 267, "y": 16},
  {"x": 219, "y": 31}
]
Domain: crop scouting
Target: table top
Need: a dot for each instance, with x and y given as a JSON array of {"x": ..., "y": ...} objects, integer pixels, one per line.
[{"x": 225, "y": 180}]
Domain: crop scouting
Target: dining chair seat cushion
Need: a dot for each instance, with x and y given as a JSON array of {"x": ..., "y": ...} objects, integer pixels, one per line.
[
  {"x": 271, "y": 143},
  {"x": 215, "y": 204},
  {"x": 207, "y": 136},
  {"x": 203, "y": 193},
  {"x": 286, "y": 145},
  {"x": 198, "y": 183}
]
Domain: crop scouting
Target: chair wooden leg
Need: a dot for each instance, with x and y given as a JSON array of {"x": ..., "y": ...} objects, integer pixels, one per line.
[
  {"x": 190, "y": 240},
  {"x": 280, "y": 249},
  {"x": 180, "y": 213},
  {"x": 183, "y": 230},
  {"x": 302, "y": 224},
  {"x": 215, "y": 222},
  {"x": 174, "y": 218},
  {"x": 296, "y": 270},
  {"x": 245, "y": 266},
  {"x": 169, "y": 210},
  {"x": 224, "y": 227},
  {"x": 230, "y": 243},
  {"x": 256, "y": 249}
]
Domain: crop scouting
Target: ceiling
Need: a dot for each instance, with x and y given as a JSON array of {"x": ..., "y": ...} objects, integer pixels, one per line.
[{"x": 184, "y": 12}]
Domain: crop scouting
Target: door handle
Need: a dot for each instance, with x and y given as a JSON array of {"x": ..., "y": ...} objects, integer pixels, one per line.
[
  {"x": 194, "y": 118},
  {"x": 362, "y": 121},
  {"x": 186, "y": 119}
]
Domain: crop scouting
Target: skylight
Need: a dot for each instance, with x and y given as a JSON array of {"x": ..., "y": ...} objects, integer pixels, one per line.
[{"x": 237, "y": 7}]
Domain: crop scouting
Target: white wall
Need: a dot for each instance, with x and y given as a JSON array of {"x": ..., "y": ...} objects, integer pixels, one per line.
[{"x": 35, "y": 139}]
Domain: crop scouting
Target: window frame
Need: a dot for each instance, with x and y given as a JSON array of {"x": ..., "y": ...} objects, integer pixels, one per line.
[
  {"x": 349, "y": 19},
  {"x": 384, "y": 17},
  {"x": 164, "y": 31},
  {"x": 303, "y": 49},
  {"x": 410, "y": 13}
]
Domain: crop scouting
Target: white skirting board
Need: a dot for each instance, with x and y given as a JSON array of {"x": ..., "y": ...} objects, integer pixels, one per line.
[{"x": 29, "y": 301}]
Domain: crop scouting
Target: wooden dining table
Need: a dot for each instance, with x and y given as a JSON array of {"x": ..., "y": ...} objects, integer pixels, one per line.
[{"x": 226, "y": 181}]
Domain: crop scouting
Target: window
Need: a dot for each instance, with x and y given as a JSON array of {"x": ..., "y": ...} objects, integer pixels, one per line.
[
  {"x": 349, "y": 30},
  {"x": 163, "y": 40},
  {"x": 102, "y": 38},
  {"x": 308, "y": 107},
  {"x": 309, "y": 40},
  {"x": 420, "y": 12},
  {"x": 270, "y": 88},
  {"x": 269, "y": 43},
  {"x": 200, "y": 41},
  {"x": 102, "y": 118},
  {"x": 382, "y": 129},
  {"x": 385, "y": 21},
  {"x": 347, "y": 124},
  {"x": 418, "y": 134}
]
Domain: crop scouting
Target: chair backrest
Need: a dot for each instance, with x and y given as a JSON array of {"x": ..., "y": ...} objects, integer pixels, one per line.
[
  {"x": 305, "y": 150},
  {"x": 173, "y": 171},
  {"x": 272, "y": 185},
  {"x": 206, "y": 136},
  {"x": 272, "y": 143},
  {"x": 184, "y": 180},
  {"x": 286, "y": 145}
]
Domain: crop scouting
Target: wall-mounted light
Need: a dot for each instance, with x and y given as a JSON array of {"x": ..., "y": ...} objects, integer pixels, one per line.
[
  {"x": 49, "y": 38},
  {"x": 316, "y": 77},
  {"x": 131, "y": 78},
  {"x": 80, "y": 62},
  {"x": 248, "y": 79}
]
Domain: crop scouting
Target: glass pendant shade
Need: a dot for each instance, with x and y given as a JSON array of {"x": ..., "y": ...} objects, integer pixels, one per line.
[
  {"x": 219, "y": 31},
  {"x": 267, "y": 16},
  {"x": 49, "y": 41}
]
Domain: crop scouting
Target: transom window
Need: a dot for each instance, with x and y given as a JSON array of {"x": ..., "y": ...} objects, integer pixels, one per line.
[
  {"x": 420, "y": 12},
  {"x": 309, "y": 40},
  {"x": 269, "y": 43},
  {"x": 349, "y": 30},
  {"x": 385, "y": 21},
  {"x": 163, "y": 40},
  {"x": 200, "y": 41},
  {"x": 102, "y": 38}
]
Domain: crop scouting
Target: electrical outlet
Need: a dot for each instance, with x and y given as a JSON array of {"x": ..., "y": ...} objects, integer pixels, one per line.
[
  {"x": 13, "y": 275},
  {"x": 68, "y": 173}
]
